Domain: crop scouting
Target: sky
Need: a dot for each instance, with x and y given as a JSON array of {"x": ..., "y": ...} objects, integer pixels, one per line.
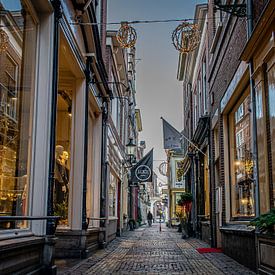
[
  {"x": 158, "y": 92},
  {"x": 11, "y": 4}
]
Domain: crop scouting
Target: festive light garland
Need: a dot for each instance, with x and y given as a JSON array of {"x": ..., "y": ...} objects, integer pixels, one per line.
[
  {"x": 186, "y": 37},
  {"x": 126, "y": 36},
  {"x": 4, "y": 41}
]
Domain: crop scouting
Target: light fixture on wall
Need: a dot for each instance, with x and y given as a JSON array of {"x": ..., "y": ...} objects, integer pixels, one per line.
[{"x": 70, "y": 111}]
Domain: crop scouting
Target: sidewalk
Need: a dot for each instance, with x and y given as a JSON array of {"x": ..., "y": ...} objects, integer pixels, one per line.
[{"x": 148, "y": 251}]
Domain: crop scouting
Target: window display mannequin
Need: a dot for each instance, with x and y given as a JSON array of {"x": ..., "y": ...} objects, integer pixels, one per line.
[
  {"x": 61, "y": 175},
  {"x": 65, "y": 163}
]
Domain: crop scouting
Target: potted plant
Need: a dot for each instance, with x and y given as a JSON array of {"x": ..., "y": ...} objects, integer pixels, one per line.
[
  {"x": 265, "y": 241},
  {"x": 185, "y": 202},
  {"x": 265, "y": 223}
]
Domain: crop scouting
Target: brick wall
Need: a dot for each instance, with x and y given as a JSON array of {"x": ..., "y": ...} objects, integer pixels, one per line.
[
  {"x": 258, "y": 7},
  {"x": 225, "y": 60},
  {"x": 223, "y": 63}
]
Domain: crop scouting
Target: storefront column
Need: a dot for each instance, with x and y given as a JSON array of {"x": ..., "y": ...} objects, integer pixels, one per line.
[
  {"x": 75, "y": 214},
  {"x": 43, "y": 128},
  {"x": 56, "y": 31},
  {"x": 85, "y": 149},
  {"x": 104, "y": 171}
]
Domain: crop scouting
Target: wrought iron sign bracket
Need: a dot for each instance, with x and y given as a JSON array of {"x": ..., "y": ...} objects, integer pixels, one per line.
[{"x": 236, "y": 9}]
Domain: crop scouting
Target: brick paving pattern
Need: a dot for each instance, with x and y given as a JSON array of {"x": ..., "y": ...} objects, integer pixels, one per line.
[{"x": 148, "y": 251}]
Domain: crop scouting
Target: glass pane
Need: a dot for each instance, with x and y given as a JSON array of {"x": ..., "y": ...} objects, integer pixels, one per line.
[
  {"x": 262, "y": 153},
  {"x": 17, "y": 71},
  {"x": 242, "y": 189},
  {"x": 62, "y": 155},
  {"x": 112, "y": 196},
  {"x": 271, "y": 98}
]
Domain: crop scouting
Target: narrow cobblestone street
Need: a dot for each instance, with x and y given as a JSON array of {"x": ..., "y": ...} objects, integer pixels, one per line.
[{"x": 148, "y": 251}]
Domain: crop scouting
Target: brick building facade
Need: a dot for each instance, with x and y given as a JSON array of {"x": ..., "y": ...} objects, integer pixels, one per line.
[{"x": 240, "y": 163}]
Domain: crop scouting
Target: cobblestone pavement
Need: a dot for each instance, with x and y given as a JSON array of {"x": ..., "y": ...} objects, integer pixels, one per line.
[{"x": 148, "y": 251}]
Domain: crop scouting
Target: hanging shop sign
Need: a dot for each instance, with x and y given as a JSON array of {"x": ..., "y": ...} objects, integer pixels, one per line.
[{"x": 142, "y": 171}]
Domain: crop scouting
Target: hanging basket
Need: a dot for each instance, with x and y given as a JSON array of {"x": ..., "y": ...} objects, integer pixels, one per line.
[
  {"x": 186, "y": 37},
  {"x": 4, "y": 41},
  {"x": 126, "y": 36}
]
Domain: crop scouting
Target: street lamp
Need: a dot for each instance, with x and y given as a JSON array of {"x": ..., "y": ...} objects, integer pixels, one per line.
[{"x": 130, "y": 148}]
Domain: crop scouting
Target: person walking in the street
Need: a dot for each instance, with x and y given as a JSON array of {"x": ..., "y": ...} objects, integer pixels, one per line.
[{"x": 149, "y": 218}]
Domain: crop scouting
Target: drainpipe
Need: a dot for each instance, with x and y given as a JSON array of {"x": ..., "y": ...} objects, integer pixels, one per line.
[
  {"x": 85, "y": 152},
  {"x": 212, "y": 190},
  {"x": 249, "y": 6},
  {"x": 193, "y": 191},
  {"x": 50, "y": 229}
]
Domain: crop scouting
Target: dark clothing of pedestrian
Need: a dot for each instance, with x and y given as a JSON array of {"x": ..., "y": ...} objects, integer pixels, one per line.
[{"x": 149, "y": 218}]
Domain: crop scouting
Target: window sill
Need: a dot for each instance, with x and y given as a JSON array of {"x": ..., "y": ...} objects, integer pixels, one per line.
[
  {"x": 20, "y": 243},
  {"x": 238, "y": 228},
  {"x": 15, "y": 233}
]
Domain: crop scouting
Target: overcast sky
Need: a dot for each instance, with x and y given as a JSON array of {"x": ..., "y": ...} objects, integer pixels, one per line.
[{"x": 159, "y": 93}]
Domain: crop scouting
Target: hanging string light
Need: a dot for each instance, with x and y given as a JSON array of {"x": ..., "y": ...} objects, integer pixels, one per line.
[
  {"x": 186, "y": 37},
  {"x": 4, "y": 41},
  {"x": 126, "y": 36}
]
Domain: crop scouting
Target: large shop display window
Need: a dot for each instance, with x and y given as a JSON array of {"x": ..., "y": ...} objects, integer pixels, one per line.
[
  {"x": 62, "y": 156},
  {"x": 242, "y": 187},
  {"x": 271, "y": 107},
  {"x": 18, "y": 35},
  {"x": 177, "y": 208}
]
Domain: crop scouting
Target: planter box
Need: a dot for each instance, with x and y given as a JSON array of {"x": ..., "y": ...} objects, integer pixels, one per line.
[
  {"x": 76, "y": 243},
  {"x": 238, "y": 242},
  {"x": 22, "y": 255},
  {"x": 206, "y": 232},
  {"x": 265, "y": 253}
]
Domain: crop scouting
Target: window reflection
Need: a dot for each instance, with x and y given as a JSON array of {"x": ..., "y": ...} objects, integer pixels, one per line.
[
  {"x": 271, "y": 99},
  {"x": 17, "y": 64},
  {"x": 242, "y": 189}
]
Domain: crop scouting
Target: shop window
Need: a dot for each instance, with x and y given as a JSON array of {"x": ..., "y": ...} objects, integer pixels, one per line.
[
  {"x": 204, "y": 87},
  {"x": 242, "y": 185},
  {"x": 17, "y": 72},
  {"x": 112, "y": 196},
  {"x": 62, "y": 156},
  {"x": 271, "y": 107},
  {"x": 262, "y": 150},
  {"x": 177, "y": 208}
]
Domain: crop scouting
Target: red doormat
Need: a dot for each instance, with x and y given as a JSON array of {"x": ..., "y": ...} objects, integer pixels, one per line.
[{"x": 208, "y": 250}]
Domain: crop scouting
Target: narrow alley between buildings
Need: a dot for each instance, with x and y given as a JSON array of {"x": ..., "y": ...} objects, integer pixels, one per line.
[{"x": 149, "y": 251}]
